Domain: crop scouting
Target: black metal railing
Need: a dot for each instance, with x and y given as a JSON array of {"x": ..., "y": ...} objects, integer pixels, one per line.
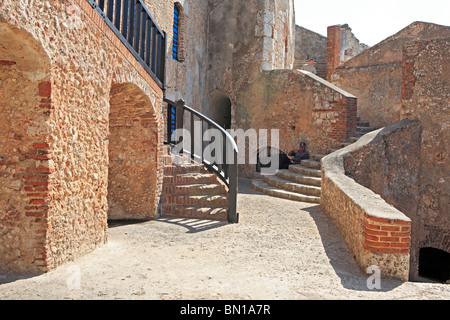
[
  {"x": 137, "y": 29},
  {"x": 223, "y": 163}
]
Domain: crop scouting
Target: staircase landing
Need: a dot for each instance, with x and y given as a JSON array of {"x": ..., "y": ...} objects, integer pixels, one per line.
[{"x": 303, "y": 182}]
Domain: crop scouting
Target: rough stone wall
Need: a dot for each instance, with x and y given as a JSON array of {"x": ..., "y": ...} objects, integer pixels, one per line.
[
  {"x": 425, "y": 97},
  {"x": 375, "y": 75},
  {"x": 342, "y": 45},
  {"x": 283, "y": 34},
  {"x": 350, "y": 45},
  {"x": 309, "y": 45},
  {"x": 24, "y": 150},
  {"x": 133, "y": 154},
  {"x": 377, "y": 233},
  {"x": 65, "y": 179},
  {"x": 185, "y": 78},
  {"x": 302, "y": 106},
  {"x": 407, "y": 163},
  {"x": 396, "y": 177},
  {"x": 245, "y": 37}
]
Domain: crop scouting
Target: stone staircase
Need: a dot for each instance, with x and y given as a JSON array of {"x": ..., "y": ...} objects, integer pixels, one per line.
[
  {"x": 191, "y": 191},
  {"x": 302, "y": 182}
]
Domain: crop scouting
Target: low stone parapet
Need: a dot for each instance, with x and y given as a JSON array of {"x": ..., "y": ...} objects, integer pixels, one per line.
[{"x": 377, "y": 233}]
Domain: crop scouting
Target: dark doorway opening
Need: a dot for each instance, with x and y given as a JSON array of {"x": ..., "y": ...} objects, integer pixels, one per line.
[
  {"x": 434, "y": 264},
  {"x": 220, "y": 109}
]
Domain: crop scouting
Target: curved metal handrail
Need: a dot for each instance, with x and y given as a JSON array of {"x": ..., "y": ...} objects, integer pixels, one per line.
[
  {"x": 227, "y": 172},
  {"x": 215, "y": 125}
]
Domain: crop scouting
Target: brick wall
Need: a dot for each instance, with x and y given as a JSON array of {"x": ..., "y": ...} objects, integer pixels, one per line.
[
  {"x": 386, "y": 235},
  {"x": 345, "y": 125},
  {"x": 333, "y": 49}
]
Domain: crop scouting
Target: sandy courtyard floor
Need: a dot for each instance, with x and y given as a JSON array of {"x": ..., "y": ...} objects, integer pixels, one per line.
[{"x": 279, "y": 250}]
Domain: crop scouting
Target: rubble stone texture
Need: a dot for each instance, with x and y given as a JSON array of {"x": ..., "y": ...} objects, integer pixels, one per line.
[
  {"x": 83, "y": 123},
  {"x": 407, "y": 162},
  {"x": 58, "y": 78},
  {"x": 375, "y": 76}
]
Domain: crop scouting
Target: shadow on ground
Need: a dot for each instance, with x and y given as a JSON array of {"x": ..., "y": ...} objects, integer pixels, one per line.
[
  {"x": 8, "y": 277},
  {"x": 193, "y": 225},
  {"x": 341, "y": 258}
]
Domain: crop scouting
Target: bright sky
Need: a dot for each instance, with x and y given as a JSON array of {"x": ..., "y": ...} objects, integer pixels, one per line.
[{"x": 371, "y": 21}]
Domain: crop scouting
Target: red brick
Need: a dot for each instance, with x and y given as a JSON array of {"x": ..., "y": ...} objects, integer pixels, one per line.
[
  {"x": 376, "y": 232},
  {"x": 45, "y": 89},
  {"x": 40, "y": 170},
  {"x": 37, "y": 201},
  {"x": 41, "y": 145},
  {"x": 7, "y": 63},
  {"x": 390, "y": 228}
]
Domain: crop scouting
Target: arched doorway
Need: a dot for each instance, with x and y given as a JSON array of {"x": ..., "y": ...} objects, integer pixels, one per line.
[
  {"x": 220, "y": 109},
  {"x": 25, "y": 108},
  {"x": 434, "y": 264},
  {"x": 133, "y": 155}
]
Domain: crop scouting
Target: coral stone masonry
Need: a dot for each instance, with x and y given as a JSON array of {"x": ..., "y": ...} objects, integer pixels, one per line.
[
  {"x": 87, "y": 90},
  {"x": 62, "y": 119}
]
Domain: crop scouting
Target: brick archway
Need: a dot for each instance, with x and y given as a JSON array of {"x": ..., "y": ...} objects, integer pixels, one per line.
[
  {"x": 25, "y": 170},
  {"x": 133, "y": 188}
]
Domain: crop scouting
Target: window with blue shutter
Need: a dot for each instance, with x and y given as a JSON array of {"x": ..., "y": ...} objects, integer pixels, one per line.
[{"x": 176, "y": 32}]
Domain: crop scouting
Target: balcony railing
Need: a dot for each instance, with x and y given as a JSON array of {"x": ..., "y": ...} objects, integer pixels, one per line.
[{"x": 137, "y": 29}]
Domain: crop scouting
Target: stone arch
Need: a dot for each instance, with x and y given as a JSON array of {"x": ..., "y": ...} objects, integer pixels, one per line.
[
  {"x": 133, "y": 188},
  {"x": 25, "y": 169},
  {"x": 220, "y": 108},
  {"x": 434, "y": 264},
  {"x": 435, "y": 247}
]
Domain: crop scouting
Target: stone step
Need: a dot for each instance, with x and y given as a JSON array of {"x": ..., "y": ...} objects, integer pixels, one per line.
[
  {"x": 331, "y": 150},
  {"x": 317, "y": 156},
  {"x": 216, "y": 201},
  {"x": 365, "y": 129},
  {"x": 303, "y": 189},
  {"x": 263, "y": 187},
  {"x": 176, "y": 159},
  {"x": 311, "y": 164},
  {"x": 298, "y": 168},
  {"x": 183, "y": 169},
  {"x": 361, "y": 123},
  {"x": 220, "y": 214},
  {"x": 189, "y": 178},
  {"x": 299, "y": 178},
  {"x": 195, "y": 189}
]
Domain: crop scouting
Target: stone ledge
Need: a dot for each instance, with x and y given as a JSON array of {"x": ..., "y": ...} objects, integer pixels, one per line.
[
  {"x": 359, "y": 214},
  {"x": 366, "y": 199},
  {"x": 326, "y": 83}
]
